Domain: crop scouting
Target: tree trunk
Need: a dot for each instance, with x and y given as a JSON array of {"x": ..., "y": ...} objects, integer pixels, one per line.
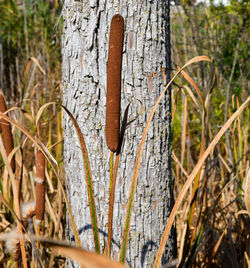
[{"x": 146, "y": 69}]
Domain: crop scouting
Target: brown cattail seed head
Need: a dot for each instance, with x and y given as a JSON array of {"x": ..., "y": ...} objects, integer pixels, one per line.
[
  {"x": 40, "y": 186},
  {"x": 114, "y": 68},
  {"x": 13, "y": 245},
  {"x": 27, "y": 212},
  {"x": 6, "y": 131}
]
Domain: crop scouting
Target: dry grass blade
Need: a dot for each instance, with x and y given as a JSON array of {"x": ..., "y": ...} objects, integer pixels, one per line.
[
  {"x": 190, "y": 180},
  {"x": 86, "y": 258},
  {"x": 198, "y": 177},
  {"x": 27, "y": 69},
  {"x": 191, "y": 81},
  {"x": 247, "y": 259},
  {"x": 189, "y": 91},
  {"x": 218, "y": 242},
  {"x": 179, "y": 164},
  {"x": 175, "y": 103},
  {"x": 25, "y": 113},
  {"x": 38, "y": 64},
  {"x": 42, "y": 108},
  {"x": 126, "y": 227},
  {"x": 247, "y": 191},
  {"x": 184, "y": 129},
  {"x": 83, "y": 257},
  {"x": 37, "y": 142}
]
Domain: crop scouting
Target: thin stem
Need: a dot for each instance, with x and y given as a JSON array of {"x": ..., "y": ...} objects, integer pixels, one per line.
[{"x": 110, "y": 199}]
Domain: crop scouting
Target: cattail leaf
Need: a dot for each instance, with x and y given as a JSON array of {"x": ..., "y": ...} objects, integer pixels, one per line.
[{"x": 89, "y": 182}]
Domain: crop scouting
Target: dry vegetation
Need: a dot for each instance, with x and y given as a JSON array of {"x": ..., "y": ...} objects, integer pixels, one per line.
[{"x": 212, "y": 220}]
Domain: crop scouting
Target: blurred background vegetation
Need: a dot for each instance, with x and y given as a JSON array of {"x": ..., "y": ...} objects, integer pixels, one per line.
[{"x": 211, "y": 227}]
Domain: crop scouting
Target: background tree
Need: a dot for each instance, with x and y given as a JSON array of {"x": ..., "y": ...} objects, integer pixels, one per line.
[{"x": 146, "y": 68}]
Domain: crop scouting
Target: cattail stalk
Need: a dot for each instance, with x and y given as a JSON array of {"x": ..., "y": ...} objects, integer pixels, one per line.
[
  {"x": 6, "y": 130},
  {"x": 113, "y": 103},
  {"x": 114, "y": 68}
]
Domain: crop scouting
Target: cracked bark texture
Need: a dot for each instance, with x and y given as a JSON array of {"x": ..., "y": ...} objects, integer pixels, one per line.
[{"x": 146, "y": 68}]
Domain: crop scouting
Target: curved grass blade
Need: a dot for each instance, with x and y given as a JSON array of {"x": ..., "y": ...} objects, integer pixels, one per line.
[
  {"x": 27, "y": 69},
  {"x": 191, "y": 81},
  {"x": 25, "y": 113},
  {"x": 126, "y": 227},
  {"x": 190, "y": 180},
  {"x": 40, "y": 111},
  {"x": 89, "y": 182},
  {"x": 83, "y": 257},
  {"x": 189, "y": 91}
]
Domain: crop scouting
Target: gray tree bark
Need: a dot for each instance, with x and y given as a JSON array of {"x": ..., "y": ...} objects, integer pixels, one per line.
[{"x": 146, "y": 68}]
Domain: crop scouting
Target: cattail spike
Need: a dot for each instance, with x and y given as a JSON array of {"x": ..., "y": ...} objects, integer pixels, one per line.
[
  {"x": 6, "y": 131},
  {"x": 40, "y": 186},
  {"x": 114, "y": 68},
  {"x": 27, "y": 212},
  {"x": 13, "y": 245}
]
